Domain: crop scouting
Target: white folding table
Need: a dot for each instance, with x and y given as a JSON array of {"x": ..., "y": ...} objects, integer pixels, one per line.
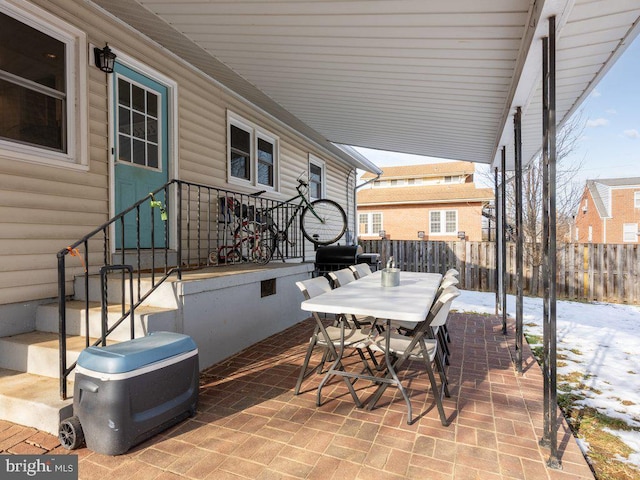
[{"x": 410, "y": 301}]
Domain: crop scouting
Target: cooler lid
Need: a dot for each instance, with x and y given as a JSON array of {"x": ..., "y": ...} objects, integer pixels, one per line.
[{"x": 133, "y": 354}]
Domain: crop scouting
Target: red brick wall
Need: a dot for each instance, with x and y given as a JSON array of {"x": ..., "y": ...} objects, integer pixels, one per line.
[
  {"x": 586, "y": 219},
  {"x": 623, "y": 211},
  {"x": 402, "y": 222}
]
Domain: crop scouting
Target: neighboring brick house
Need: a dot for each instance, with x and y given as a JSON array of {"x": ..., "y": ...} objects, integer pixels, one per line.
[
  {"x": 609, "y": 211},
  {"x": 431, "y": 201}
]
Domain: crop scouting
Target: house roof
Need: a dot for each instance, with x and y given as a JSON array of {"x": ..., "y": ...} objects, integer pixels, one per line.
[
  {"x": 442, "y": 79},
  {"x": 461, "y": 192},
  {"x": 600, "y": 190},
  {"x": 425, "y": 170}
]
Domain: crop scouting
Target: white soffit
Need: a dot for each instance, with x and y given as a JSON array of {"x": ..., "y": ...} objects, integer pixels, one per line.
[{"x": 426, "y": 77}]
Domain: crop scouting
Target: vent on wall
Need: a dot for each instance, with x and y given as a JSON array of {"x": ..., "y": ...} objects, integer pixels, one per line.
[{"x": 267, "y": 287}]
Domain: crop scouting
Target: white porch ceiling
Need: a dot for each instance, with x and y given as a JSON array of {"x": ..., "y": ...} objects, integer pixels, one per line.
[{"x": 427, "y": 77}]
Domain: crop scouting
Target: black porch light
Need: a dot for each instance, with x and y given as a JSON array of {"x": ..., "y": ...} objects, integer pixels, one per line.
[{"x": 104, "y": 58}]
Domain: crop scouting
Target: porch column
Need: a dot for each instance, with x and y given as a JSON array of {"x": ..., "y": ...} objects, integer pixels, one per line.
[
  {"x": 517, "y": 126},
  {"x": 549, "y": 318},
  {"x": 496, "y": 238},
  {"x": 503, "y": 242}
]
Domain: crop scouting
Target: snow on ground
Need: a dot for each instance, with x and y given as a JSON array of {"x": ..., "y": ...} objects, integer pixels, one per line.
[{"x": 600, "y": 341}]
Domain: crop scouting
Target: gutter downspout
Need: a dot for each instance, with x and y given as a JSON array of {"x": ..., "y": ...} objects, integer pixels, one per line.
[{"x": 355, "y": 205}]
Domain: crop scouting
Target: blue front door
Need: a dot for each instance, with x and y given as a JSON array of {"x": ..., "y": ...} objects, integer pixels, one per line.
[{"x": 141, "y": 153}]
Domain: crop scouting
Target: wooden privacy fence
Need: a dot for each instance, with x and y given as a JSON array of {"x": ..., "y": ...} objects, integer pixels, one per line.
[{"x": 585, "y": 272}]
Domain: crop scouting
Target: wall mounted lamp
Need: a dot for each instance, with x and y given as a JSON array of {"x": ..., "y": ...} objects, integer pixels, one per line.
[{"x": 104, "y": 58}]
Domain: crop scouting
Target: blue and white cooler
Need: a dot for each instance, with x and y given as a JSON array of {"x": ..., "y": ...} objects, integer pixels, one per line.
[{"x": 127, "y": 392}]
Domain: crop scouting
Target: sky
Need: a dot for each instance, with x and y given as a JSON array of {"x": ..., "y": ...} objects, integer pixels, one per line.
[
  {"x": 609, "y": 146},
  {"x": 591, "y": 344}
]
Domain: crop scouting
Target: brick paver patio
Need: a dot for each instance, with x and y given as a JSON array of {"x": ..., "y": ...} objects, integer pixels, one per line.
[{"x": 250, "y": 425}]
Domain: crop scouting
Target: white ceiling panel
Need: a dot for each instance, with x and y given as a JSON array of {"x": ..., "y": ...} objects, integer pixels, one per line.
[{"x": 426, "y": 77}]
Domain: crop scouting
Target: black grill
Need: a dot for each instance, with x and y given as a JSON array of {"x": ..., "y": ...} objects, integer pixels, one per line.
[{"x": 335, "y": 257}]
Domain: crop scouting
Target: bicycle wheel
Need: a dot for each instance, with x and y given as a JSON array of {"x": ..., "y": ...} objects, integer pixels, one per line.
[
  {"x": 262, "y": 253},
  {"x": 323, "y": 222}
]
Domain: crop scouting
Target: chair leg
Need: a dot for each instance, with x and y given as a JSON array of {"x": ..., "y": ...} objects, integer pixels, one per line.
[
  {"x": 446, "y": 333},
  {"x": 437, "y": 393},
  {"x": 444, "y": 346},
  {"x": 305, "y": 364},
  {"x": 443, "y": 376}
]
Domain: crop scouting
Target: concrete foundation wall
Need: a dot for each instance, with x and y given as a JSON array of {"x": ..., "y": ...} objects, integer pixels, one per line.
[{"x": 227, "y": 314}]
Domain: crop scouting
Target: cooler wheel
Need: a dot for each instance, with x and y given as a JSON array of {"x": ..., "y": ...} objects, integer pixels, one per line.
[{"x": 70, "y": 433}]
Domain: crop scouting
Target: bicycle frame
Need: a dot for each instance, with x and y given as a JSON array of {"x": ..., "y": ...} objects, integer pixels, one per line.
[
  {"x": 252, "y": 236},
  {"x": 303, "y": 203}
]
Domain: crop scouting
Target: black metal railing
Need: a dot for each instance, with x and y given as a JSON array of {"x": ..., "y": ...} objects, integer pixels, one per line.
[{"x": 180, "y": 226}]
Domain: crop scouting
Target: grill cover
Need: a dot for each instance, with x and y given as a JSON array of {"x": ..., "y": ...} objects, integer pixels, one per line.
[{"x": 337, "y": 255}]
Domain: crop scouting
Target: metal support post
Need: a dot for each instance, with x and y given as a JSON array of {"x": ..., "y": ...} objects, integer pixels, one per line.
[
  {"x": 497, "y": 239},
  {"x": 554, "y": 461},
  {"x": 544, "y": 441},
  {"x": 503, "y": 260},
  {"x": 517, "y": 126}
]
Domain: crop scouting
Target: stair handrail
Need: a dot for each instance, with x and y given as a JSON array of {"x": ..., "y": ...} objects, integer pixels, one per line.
[
  {"x": 294, "y": 248},
  {"x": 65, "y": 370}
]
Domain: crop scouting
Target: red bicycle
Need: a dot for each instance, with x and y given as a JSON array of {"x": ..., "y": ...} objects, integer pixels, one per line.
[{"x": 248, "y": 244}]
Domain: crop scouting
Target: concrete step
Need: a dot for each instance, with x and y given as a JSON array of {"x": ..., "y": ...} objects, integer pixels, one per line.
[
  {"x": 33, "y": 400},
  {"x": 38, "y": 352},
  {"x": 164, "y": 296},
  {"x": 146, "y": 318}
]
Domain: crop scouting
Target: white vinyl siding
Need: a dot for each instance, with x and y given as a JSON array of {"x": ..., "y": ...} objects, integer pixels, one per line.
[{"x": 46, "y": 208}]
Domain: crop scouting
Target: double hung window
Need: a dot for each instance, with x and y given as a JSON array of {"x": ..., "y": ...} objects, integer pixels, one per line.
[
  {"x": 443, "y": 222},
  {"x": 317, "y": 179},
  {"x": 630, "y": 232},
  {"x": 370, "y": 223},
  {"x": 252, "y": 154},
  {"x": 42, "y": 105}
]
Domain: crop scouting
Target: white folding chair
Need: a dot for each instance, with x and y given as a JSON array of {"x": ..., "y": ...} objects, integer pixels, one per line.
[
  {"x": 341, "y": 277},
  {"x": 419, "y": 347},
  {"x": 452, "y": 272},
  {"x": 361, "y": 270},
  {"x": 329, "y": 337},
  {"x": 446, "y": 283}
]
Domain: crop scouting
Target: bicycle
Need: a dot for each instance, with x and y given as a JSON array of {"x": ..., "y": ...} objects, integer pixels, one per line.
[
  {"x": 322, "y": 221},
  {"x": 257, "y": 249}
]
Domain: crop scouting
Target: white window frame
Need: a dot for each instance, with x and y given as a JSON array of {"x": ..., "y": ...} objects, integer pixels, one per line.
[
  {"x": 636, "y": 199},
  {"x": 255, "y": 132},
  {"x": 369, "y": 223},
  {"x": 77, "y": 154},
  {"x": 318, "y": 162},
  {"x": 630, "y": 230},
  {"x": 590, "y": 234},
  {"x": 443, "y": 223}
]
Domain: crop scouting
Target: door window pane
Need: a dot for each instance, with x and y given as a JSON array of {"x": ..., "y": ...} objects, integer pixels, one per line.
[{"x": 138, "y": 124}]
